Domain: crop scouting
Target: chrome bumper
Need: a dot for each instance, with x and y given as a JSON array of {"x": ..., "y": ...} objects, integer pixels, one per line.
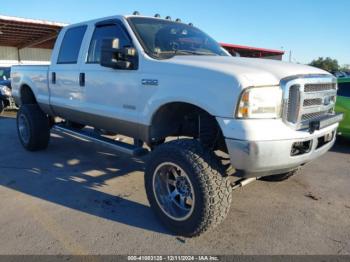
[{"x": 270, "y": 157}]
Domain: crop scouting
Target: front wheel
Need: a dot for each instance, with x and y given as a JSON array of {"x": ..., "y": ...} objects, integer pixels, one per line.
[
  {"x": 186, "y": 189},
  {"x": 33, "y": 127}
]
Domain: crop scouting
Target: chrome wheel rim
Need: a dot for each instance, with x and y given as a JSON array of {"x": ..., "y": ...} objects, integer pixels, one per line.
[
  {"x": 173, "y": 191},
  {"x": 23, "y": 128}
]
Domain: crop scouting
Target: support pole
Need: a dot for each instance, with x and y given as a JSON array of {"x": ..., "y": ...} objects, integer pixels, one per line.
[{"x": 18, "y": 55}]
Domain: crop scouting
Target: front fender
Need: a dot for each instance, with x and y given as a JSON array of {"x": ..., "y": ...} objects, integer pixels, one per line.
[{"x": 215, "y": 94}]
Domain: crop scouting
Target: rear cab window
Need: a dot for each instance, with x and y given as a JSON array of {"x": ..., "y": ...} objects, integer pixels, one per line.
[{"x": 71, "y": 44}]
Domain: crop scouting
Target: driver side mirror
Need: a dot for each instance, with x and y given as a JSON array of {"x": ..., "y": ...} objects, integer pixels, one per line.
[{"x": 113, "y": 56}]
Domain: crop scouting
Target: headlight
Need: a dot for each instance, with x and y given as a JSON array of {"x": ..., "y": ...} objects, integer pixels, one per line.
[
  {"x": 5, "y": 91},
  {"x": 260, "y": 102}
]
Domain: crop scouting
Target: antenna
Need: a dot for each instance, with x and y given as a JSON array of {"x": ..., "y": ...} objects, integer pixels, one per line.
[{"x": 136, "y": 13}]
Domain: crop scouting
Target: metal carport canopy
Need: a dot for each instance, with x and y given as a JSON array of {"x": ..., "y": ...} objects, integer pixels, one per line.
[{"x": 21, "y": 32}]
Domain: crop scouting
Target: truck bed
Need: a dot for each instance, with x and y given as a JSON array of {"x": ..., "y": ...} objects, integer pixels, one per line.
[{"x": 36, "y": 76}]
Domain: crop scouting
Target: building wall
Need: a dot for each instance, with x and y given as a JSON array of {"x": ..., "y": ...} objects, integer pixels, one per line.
[
  {"x": 9, "y": 56},
  {"x": 274, "y": 57}
]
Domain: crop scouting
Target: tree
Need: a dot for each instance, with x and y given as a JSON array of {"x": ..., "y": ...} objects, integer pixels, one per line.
[
  {"x": 328, "y": 64},
  {"x": 345, "y": 68}
]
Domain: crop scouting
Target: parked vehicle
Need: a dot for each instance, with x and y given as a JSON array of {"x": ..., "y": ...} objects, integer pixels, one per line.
[
  {"x": 343, "y": 105},
  {"x": 6, "y": 99},
  {"x": 341, "y": 74},
  {"x": 152, "y": 79}
]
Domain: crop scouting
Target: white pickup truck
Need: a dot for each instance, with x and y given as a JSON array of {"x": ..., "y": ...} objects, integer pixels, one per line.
[{"x": 154, "y": 80}]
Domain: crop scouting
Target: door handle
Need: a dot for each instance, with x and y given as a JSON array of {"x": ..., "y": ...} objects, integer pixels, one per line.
[
  {"x": 53, "y": 78},
  {"x": 82, "y": 79}
]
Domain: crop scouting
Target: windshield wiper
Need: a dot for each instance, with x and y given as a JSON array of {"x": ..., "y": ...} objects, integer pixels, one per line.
[
  {"x": 170, "y": 54},
  {"x": 177, "y": 52}
]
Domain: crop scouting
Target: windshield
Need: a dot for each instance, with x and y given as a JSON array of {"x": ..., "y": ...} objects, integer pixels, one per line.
[
  {"x": 165, "y": 39},
  {"x": 5, "y": 73}
]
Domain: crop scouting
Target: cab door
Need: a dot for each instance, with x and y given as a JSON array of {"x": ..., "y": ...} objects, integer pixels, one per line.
[
  {"x": 66, "y": 89},
  {"x": 111, "y": 95}
]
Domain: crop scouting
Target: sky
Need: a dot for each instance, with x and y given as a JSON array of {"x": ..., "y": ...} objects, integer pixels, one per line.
[{"x": 308, "y": 28}]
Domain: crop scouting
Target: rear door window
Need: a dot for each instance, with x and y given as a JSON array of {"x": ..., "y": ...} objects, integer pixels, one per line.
[
  {"x": 344, "y": 89},
  {"x": 70, "y": 46}
]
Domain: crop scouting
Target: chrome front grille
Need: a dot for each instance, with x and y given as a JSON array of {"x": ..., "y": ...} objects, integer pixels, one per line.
[
  {"x": 319, "y": 87},
  {"x": 313, "y": 102},
  {"x": 293, "y": 103},
  {"x": 308, "y": 99},
  {"x": 313, "y": 115}
]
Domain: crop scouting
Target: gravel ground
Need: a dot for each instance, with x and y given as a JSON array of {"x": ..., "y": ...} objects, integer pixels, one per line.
[{"x": 80, "y": 198}]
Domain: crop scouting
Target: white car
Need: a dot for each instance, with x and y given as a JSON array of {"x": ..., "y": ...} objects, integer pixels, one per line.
[{"x": 152, "y": 79}]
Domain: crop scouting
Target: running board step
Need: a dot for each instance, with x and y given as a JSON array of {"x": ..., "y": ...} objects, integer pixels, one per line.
[{"x": 104, "y": 141}]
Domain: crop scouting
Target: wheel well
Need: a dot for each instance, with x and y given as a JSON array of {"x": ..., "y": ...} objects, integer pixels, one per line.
[
  {"x": 184, "y": 119},
  {"x": 27, "y": 95}
]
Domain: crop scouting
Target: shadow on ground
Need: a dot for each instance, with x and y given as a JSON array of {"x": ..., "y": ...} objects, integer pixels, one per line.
[
  {"x": 342, "y": 145},
  {"x": 65, "y": 174}
]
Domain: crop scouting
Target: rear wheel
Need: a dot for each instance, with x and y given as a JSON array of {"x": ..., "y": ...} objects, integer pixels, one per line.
[
  {"x": 186, "y": 189},
  {"x": 33, "y": 128}
]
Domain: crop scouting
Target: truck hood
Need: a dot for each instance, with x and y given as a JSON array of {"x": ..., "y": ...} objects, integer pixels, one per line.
[{"x": 248, "y": 71}]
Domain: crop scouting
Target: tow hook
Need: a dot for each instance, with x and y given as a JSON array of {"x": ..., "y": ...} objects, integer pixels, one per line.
[{"x": 315, "y": 125}]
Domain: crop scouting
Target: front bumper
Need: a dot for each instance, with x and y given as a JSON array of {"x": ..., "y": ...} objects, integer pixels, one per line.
[{"x": 271, "y": 154}]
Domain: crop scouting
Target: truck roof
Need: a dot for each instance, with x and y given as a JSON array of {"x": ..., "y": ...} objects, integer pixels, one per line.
[{"x": 115, "y": 17}]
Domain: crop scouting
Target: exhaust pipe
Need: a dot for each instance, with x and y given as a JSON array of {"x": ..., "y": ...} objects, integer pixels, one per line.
[{"x": 243, "y": 182}]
